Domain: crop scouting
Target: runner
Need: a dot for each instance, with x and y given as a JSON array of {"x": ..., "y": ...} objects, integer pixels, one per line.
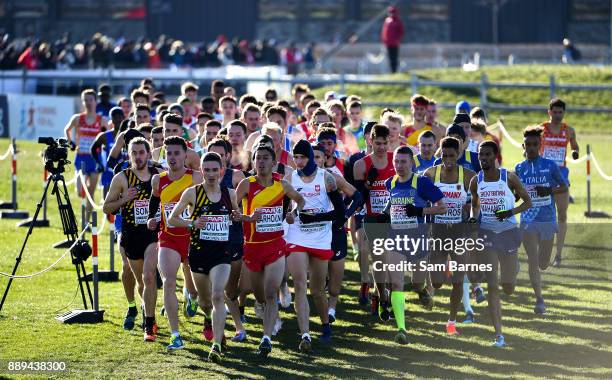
[
  {"x": 214, "y": 207},
  {"x": 251, "y": 117},
  {"x": 309, "y": 239},
  {"x": 264, "y": 247},
  {"x": 173, "y": 241},
  {"x": 542, "y": 178},
  {"x": 431, "y": 118},
  {"x": 370, "y": 174},
  {"x": 236, "y": 134},
  {"x": 327, "y": 138},
  {"x": 229, "y": 107},
  {"x": 86, "y": 126},
  {"x": 454, "y": 182},
  {"x": 418, "y": 109},
  {"x": 102, "y": 145},
  {"x": 467, "y": 159},
  {"x": 427, "y": 146},
  {"x": 129, "y": 192},
  {"x": 237, "y": 282},
  {"x": 157, "y": 137},
  {"x": 493, "y": 192},
  {"x": 555, "y": 138},
  {"x": 172, "y": 127},
  {"x": 394, "y": 121},
  {"x": 356, "y": 125}
]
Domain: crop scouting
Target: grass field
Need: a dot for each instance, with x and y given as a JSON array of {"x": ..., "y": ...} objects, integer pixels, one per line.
[{"x": 573, "y": 340}]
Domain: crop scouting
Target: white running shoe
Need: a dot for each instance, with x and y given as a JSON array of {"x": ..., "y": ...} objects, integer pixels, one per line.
[{"x": 285, "y": 296}]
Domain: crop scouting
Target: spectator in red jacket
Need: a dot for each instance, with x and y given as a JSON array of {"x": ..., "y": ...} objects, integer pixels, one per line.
[{"x": 391, "y": 35}]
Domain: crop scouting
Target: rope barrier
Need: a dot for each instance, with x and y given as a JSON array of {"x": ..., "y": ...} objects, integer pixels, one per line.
[
  {"x": 52, "y": 265},
  {"x": 8, "y": 152},
  {"x": 86, "y": 191},
  {"x": 598, "y": 168}
]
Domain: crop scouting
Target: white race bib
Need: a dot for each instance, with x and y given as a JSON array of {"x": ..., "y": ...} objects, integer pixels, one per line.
[
  {"x": 555, "y": 153},
  {"x": 271, "y": 219},
  {"x": 216, "y": 228},
  {"x": 378, "y": 200},
  {"x": 312, "y": 227},
  {"x": 536, "y": 200},
  {"x": 141, "y": 211},
  {"x": 401, "y": 221},
  {"x": 452, "y": 215},
  {"x": 168, "y": 207}
]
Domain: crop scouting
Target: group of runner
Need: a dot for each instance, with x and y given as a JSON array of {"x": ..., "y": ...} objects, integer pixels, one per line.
[{"x": 255, "y": 197}]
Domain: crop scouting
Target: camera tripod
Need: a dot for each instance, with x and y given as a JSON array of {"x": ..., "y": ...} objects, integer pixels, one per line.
[{"x": 69, "y": 226}]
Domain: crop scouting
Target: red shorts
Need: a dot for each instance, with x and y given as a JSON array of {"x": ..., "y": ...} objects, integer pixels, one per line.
[
  {"x": 321, "y": 254},
  {"x": 178, "y": 243},
  {"x": 257, "y": 255}
]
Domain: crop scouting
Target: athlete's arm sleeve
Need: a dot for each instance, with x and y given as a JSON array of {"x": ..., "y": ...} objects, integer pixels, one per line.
[
  {"x": 427, "y": 190},
  {"x": 153, "y": 206},
  {"x": 356, "y": 202},
  {"x": 360, "y": 185}
]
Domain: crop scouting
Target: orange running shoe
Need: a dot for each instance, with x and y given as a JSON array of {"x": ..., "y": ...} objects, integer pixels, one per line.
[{"x": 451, "y": 328}]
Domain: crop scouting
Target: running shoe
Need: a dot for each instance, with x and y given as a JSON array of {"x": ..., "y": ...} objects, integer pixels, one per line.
[
  {"x": 426, "y": 299},
  {"x": 540, "y": 307},
  {"x": 190, "y": 305},
  {"x": 215, "y": 353},
  {"x": 374, "y": 305},
  {"x": 150, "y": 335},
  {"x": 265, "y": 347},
  {"x": 259, "y": 309},
  {"x": 176, "y": 343},
  {"x": 207, "y": 332},
  {"x": 479, "y": 294},
  {"x": 130, "y": 319},
  {"x": 331, "y": 313},
  {"x": 278, "y": 325},
  {"x": 326, "y": 333},
  {"x": 285, "y": 296},
  {"x": 241, "y": 336},
  {"x": 401, "y": 337},
  {"x": 364, "y": 293},
  {"x": 383, "y": 312},
  {"x": 305, "y": 344},
  {"x": 499, "y": 341},
  {"x": 469, "y": 318},
  {"x": 451, "y": 329},
  {"x": 557, "y": 261}
]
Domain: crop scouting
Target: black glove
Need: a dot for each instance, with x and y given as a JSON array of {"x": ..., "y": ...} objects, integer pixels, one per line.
[
  {"x": 502, "y": 215},
  {"x": 543, "y": 191},
  {"x": 412, "y": 210},
  {"x": 372, "y": 175},
  {"x": 72, "y": 145},
  {"x": 575, "y": 154}
]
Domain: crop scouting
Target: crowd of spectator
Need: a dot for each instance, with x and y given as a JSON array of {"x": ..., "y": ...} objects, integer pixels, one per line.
[{"x": 102, "y": 51}]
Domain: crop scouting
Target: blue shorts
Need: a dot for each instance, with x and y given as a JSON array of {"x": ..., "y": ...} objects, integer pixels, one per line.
[
  {"x": 506, "y": 242},
  {"x": 339, "y": 244},
  {"x": 565, "y": 174},
  {"x": 107, "y": 177},
  {"x": 88, "y": 161},
  {"x": 545, "y": 230}
]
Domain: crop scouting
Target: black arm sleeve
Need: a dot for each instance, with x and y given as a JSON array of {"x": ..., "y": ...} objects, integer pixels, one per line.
[
  {"x": 153, "y": 205},
  {"x": 356, "y": 202},
  {"x": 286, "y": 206},
  {"x": 339, "y": 209},
  {"x": 360, "y": 185}
]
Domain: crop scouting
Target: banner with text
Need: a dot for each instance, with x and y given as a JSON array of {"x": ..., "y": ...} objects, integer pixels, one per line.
[{"x": 32, "y": 116}]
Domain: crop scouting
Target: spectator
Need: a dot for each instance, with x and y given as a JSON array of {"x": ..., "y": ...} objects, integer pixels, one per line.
[
  {"x": 391, "y": 35},
  {"x": 570, "y": 53}
]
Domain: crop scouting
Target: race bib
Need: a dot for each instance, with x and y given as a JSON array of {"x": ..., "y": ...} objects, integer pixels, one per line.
[
  {"x": 85, "y": 143},
  {"x": 216, "y": 228},
  {"x": 271, "y": 219},
  {"x": 312, "y": 227},
  {"x": 168, "y": 207},
  {"x": 378, "y": 200},
  {"x": 536, "y": 200},
  {"x": 141, "y": 211},
  {"x": 452, "y": 215},
  {"x": 555, "y": 153},
  {"x": 401, "y": 221}
]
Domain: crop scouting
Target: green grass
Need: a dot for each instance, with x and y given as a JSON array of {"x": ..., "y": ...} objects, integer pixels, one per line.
[
  {"x": 574, "y": 340},
  {"x": 519, "y": 73}
]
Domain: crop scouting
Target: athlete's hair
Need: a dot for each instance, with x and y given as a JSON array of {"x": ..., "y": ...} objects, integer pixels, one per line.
[
  {"x": 533, "y": 130},
  {"x": 354, "y": 104},
  {"x": 432, "y": 102},
  {"x": 478, "y": 113},
  {"x": 160, "y": 108},
  {"x": 173, "y": 118},
  {"x": 299, "y": 87},
  {"x": 247, "y": 99},
  {"x": 238, "y": 123},
  {"x": 556, "y": 102},
  {"x": 491, "y": 144},
  {"x": 276, "y": 110},
  {"x": 385, "y": 110},
  {"x": 217, "y": 83},
  {"x": 353, "y": 98},
  {"x": 203, "y": 115},
  {"x": 251, "y": 107},
  {"x": 176, "y": 140},
  {"x": 319, "y": 112},
  {"x": 143, "y": 107},
  {"x": 138, "y": 94},
  {"x": 307, "y": 98},
  {"x": 479, "y": 127},
  {"x": 145, "y": 127},
  {"x": 222, "y": 133},
  {"x": 404, "y": 150},
  {"x": 266, "y": 148},
  {"x": 213, "y": 123},
  {"x": 228, "y": 98},
  {"x": 272, "y": 92},
  {"x": 207, "y": 100},
  {"x": 419, "y": 100},
  {"x": 126, "y": 124},
  {"x": 263, "y": 139},
  {"x": 326, "y": 131},
  {"x": 427, "y": 135},
  {"x": 157, "y": 130},
  {"x": 392, "y": 117},
  {"x": 139, "y": 140},
  {"x": 189, "y": 86},
  {"x": 367, "y": 130},
  {"x": 212, "y": 157},
  {"x": 89, "y": 91},
  {"x": 450, "y": 142},
  {"x": 159, "y": 117},
  {"x": 379, "y": 130},
  {"x": 221, "y": 143},
  {"x": 313, "y": 103},
  {"x": 271, "y": 127},
  {"x": 335, "y": 103},
  {"x": 148, "y": 81}
]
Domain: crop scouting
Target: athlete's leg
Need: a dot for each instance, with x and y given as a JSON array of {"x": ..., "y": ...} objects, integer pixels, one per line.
[
  {"x": 127, "y": 277},
  {"x": 494, "y": 303},
  {"x": 219, "y": 275},
  {"x": 193, "y": 292},
  {"x": 169, "y": 262},
  {"x": 272, "y": 278},
  {"x": 149, "y": 277},
  {"x": 297, "y": 263},
  {"x": 457, "y": 288},
  {"x": 545, "y": 252},
  {"x": 318, "y": 275},
  {"x": 530, "y": 242},
  {"x": 92, "y": 182},
  {"x": 136, "y": 266},
  {"x": 508, "y": 271},
  {"x": 232, "y": 292},
  {"x": 336, "y": 275},
  {"x": 562, "y": 203},
  {"x": 364, "y": 258}
]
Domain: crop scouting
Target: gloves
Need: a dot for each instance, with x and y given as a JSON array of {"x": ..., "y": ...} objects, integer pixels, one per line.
[
  {"x": 502, "y": 215},
  {"x": 412, "y": 211},
  {"x": 372, "y": 175},
  {"x": 543, "y": 191},
  {"x": 575, "y": 154},
  {"x": 72, "y": 145}
]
